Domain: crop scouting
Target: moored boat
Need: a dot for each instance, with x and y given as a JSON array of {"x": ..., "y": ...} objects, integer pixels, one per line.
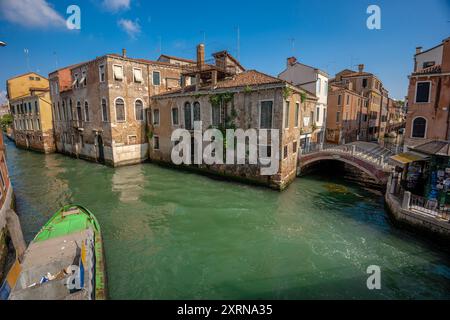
[{"x": 65, "y": 261}]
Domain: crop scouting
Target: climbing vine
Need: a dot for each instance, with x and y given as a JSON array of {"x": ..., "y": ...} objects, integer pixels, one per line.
[
  {"x": 287, "y": 92},
  {"x": 302, "y": 97}
]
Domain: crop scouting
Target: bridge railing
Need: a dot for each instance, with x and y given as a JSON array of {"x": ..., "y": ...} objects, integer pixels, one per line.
[{"x": 379, "y": 157}]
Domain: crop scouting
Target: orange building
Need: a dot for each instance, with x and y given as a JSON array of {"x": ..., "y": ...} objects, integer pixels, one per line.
[
  {"x": 347, "y": 114},
  {"x": 428, "y": 116}
]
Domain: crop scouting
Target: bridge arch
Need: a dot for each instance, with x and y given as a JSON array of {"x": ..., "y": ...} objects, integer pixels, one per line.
[{"x": 377, "y": 174}]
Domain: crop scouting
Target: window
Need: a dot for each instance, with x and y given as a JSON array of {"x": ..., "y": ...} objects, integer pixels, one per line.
[
  {"x": 297, "y": 113},
  {"x": 197, "y": 114},
  {"x": 419, "y": 127},
  {"x": 364, "y": 83},
  {"x": 104, "y": 111},
  {"x": 339, "y": 100},
  {"x": 101, "y": 73},
  {"x": 286, "y": 115},
  {"x": 156, "y": 117},
  {"x": 318, "y": 114},
  {"x": 38, "y": 124},
  {"x": 86, "y": 111},
  {"x": 265, "y": 121},
  {"x": 156, "y": 142},
  {"x": 120, "y": 110},
  {"x": 175, "y": 120},
  {"x": 188, "y": 116},
  {"x": 428, "y": 64},
  {"x": 156, "y": 78},
  {"x": 64, "y": 110},
  {"x": 285, "y": 152},
  {"x": 295, "y": 147},
  {"x": 139, "y": 110},
  {"x": 75, "y": 82},
  {"x": 348, "y": 99},
  {"x": 132, "y": 139},
  {"x": 36, "y": 109},
  {"x": 338, "y": 115},
  {"x": 216, "y": 115},
  {"x": 423, "y": 92},
  {"x": 83, "y": 80},
  {"x": 59, "y": 112},
  {"x": 318, "y": 83},
  {"x": 118, "y": 72},
  {"x": 325, "y": 88},
  {"x": 69, "y": 112},
  {"x": 137, "y": 75}
]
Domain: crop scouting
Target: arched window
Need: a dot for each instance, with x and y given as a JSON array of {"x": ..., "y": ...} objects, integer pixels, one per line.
[
  {"x": 86, "y": 111},
  {"x": 188, "y": 116},
  {"x": 79, "y": 112},
  {"x": 139, "y": 110},
  {"x": 120, "y": 110},
  {"x": 197, "y": 116},
  {"x": 419, "y": 127},
  {"x": 104, "y": 111},
  {"x": 64, "y": 110}
]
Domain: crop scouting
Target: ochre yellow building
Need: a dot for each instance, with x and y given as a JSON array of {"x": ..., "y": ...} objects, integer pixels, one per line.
[{"x": 30, "y": 105}]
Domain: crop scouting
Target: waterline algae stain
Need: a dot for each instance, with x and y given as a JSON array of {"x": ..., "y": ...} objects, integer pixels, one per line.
[{"x": 177, "y": 235}]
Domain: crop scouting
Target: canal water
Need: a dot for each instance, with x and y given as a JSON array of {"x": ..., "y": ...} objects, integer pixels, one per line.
[{"x": 177, "y": 235}]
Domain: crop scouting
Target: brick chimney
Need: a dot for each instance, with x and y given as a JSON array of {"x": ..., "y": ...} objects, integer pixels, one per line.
[
  {"x": 291, "y": 61},
  {"x": 360, "y": 68},
  {"x": 418, "y": 50},
  {"x": 124, "y": 52},
  {"x": 200, "y": 55}
]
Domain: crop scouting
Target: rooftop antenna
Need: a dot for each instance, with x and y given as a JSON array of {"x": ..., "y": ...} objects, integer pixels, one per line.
[
  {"x": 204, "y": 36},
  {"x": 352, "y": 61},
  {"x": 238, "y": 43},
  {"x": 292, "y": 40},
  {"x": 27, "y": 58},
  {"x": 56, "y": 59},
  {"x": 159, "y": 45}
]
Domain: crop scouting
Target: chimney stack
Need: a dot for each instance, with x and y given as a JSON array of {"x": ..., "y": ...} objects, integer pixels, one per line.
[
  {"x": 291, "y": 61},
  {"x": 124, "y": 53},
  {"x": 200, "y": 55},
  {"x": 360, "y": 68},
  {"x": 418, "y": 50}
]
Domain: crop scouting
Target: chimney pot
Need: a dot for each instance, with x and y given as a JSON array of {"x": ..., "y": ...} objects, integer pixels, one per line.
[
  {"x": 291, "y": 61},
  {"x": 361, "y": 68},
  {"x": 124, "y": 53},
  {"x": 418, "y": 50},
  {"x": 200, "y": 55}
]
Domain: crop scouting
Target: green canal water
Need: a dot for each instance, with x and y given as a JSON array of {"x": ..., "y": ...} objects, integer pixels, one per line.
[{"x": 178, "y": 235}]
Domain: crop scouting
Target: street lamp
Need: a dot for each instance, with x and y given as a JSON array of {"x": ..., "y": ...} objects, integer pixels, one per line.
[{"x": 2, "y": 44}]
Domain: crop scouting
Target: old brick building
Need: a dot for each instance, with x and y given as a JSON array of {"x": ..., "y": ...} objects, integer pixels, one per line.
[
  {"x": 428, "y": 116},
  {"x": 30, "y": 105},
  {"x": 100, "y": 106},
  {"x": 225, "y": 95}
]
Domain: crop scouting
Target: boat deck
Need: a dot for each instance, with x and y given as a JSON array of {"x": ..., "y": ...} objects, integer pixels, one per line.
[{"x": 53, "y": 257}]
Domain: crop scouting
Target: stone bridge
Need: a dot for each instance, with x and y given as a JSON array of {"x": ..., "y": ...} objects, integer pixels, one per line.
[{"x": 367, "y": 157}]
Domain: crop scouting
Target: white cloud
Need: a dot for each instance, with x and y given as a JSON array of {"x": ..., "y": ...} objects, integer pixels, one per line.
[
  {"x": 3, "y": 99},
  {"x": 116, "y": 5},
  {"x": 132, "y": 28},
  {"x": 30, "y": 13}
]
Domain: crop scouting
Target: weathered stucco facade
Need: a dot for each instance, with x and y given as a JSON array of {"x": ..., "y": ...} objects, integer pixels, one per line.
[
  {"x": 106, "y": 102},
  {"x": 239, "y": 97}
]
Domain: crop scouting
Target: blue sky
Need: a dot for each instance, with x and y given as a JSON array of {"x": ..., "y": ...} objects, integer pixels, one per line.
[{"x": 331, "y": 35}]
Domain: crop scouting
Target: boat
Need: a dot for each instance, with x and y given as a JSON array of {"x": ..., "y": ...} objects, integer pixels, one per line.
[{"x": 65, "y": 261}]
